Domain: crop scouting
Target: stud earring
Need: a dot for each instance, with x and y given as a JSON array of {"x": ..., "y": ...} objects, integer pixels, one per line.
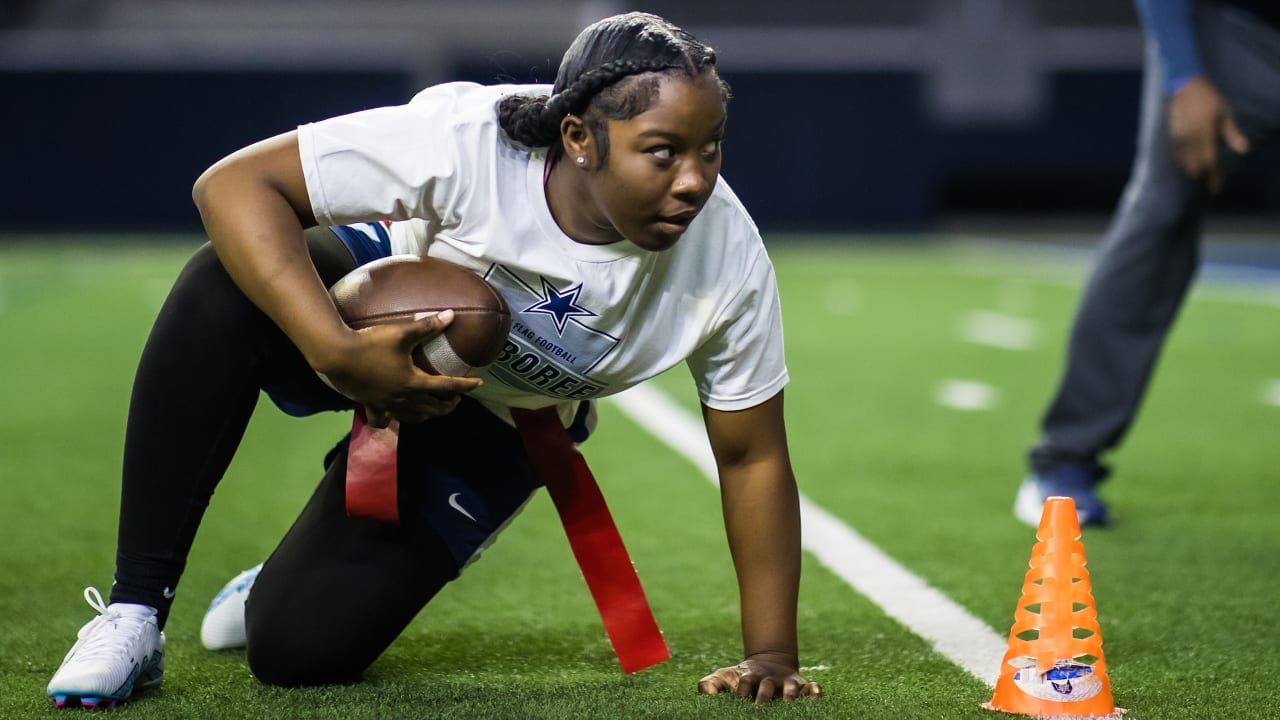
[{"x": 581, "y": 160}]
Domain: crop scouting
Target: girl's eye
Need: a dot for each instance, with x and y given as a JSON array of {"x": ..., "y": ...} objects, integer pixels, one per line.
[
  {"x": 663, "y": 152},
  {"x": 711, "y": 148}
]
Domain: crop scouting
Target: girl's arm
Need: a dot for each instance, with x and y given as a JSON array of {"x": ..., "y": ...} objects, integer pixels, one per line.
[
  {"x": 762, "y": 521},
  {"x": 255, "y": 206}
]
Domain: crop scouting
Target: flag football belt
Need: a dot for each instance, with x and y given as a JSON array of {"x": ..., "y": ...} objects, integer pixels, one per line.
[{"x": 371, "y": 492}]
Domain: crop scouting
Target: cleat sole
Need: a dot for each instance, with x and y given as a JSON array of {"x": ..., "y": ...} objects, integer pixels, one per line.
[{"x": 83, "y": 701}]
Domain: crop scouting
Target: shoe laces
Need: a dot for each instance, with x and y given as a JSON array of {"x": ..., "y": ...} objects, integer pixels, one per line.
[{"x": 115, "y": 633}]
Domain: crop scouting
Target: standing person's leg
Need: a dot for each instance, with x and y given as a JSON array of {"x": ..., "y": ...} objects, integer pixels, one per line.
[
  {"x": 1145, "y": 266},
  {"x": 462, "y": 478},
  {"x": 209, "y": 353},
  {"x": 1139, "y": 279}
]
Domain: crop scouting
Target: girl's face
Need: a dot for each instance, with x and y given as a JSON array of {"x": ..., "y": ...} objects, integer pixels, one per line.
[{"x": 662, "y": 164}]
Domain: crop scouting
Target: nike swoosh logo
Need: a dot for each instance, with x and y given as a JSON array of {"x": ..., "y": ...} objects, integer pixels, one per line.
[
  {"x": 453, "y": 503},
  {"x": 168, "y": 593}
]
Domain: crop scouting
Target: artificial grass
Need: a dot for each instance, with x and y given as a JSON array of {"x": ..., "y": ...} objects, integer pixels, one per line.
[{"x": 1184, "y": 582}]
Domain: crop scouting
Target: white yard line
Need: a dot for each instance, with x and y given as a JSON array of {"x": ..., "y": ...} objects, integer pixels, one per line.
[
  {"x": 1066, "y": 266},
  {"x": 843, "y": 299},
  {"x": 965, "y": 395},
  {"x": 999, "y": 330},
  {"x": 1271, "y": 392},
  {"x": 950, "y": 629}
]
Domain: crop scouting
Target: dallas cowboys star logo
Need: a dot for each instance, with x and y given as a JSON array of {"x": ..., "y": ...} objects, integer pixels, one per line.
[{"x": 559, "y": 305}]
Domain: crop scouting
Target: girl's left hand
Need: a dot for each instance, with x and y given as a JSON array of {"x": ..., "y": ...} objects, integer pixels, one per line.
[{"x": 763, "y": 676}]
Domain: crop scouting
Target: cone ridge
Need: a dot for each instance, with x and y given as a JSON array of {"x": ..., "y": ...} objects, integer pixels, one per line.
[{"x": 1054, "y": 665}]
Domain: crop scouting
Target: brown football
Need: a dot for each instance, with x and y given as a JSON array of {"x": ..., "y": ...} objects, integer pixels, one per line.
[{"x": 401, "y": 288}]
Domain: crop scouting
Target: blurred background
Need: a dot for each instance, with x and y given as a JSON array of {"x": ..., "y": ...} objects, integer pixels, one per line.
[
  {"x": 872, "y": 115},
  {"x": 955, "y": 161}
]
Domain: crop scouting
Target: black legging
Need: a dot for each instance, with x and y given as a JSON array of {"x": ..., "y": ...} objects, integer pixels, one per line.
[
  {"x": 339, "y": 590},
  {"x": 209, "y": 354},
  {"x": 376, "y": 576}
]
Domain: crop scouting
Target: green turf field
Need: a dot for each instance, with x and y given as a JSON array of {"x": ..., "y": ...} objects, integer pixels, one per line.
[{"x": 1185, "y": 582}]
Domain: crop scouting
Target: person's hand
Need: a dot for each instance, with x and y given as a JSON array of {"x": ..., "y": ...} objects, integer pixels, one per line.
[
  {"x": 378, "y": 371},
  {"x": 763, "y": 676},
  {"x": 1198, "y": 116}
]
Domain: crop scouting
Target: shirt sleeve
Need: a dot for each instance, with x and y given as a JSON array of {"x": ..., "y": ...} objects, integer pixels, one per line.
[
  {"x": 1167, "y": 23},
  {"x": 743, "y": 363},
  {"x": 390, "y": 163}
]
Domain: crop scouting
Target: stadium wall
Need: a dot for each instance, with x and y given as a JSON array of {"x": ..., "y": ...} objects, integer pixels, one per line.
[{"x": 118, "y": 150}]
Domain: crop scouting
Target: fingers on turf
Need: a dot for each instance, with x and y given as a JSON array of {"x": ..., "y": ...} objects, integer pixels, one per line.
[
  {"x": 722, "y": 680},
  {"x": 766, "y": 691}
]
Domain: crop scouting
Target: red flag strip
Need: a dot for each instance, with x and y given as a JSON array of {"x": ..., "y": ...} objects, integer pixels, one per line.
[
  {"x": 371, "y": 492},
  {"x": 596, "y": 544}
]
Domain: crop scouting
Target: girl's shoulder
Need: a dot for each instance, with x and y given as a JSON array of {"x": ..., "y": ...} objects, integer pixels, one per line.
[
  {"x": 467, "y": 112},
  {"x": 469, "y": 100},
  {"x": 727, "y": 218}
]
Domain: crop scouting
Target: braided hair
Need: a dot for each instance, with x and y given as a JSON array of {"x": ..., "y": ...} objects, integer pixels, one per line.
[{"x": 590, "y": 76}]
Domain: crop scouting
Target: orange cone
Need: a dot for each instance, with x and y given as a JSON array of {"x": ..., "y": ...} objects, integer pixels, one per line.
[{"x": 1054, "y": 666}]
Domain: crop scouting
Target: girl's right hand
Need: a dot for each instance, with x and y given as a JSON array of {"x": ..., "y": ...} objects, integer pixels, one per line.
[{"x": 377, "y": 370}]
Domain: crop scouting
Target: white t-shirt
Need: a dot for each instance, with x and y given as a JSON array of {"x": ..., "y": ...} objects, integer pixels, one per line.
[{"x": 586, "y": 320}]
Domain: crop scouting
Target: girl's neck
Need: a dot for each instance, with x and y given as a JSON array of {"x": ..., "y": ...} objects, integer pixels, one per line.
[{"x": 563, "y": 185}]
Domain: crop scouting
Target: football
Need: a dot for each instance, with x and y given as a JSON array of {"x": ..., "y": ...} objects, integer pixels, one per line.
[{"x": 402, "y": 288}]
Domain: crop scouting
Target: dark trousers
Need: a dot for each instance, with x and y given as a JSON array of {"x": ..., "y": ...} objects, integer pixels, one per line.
[
  {"x": 1151, "y": 251},
  {"x": 210, "y": 353},
  {"x": 338, "y": 590}
]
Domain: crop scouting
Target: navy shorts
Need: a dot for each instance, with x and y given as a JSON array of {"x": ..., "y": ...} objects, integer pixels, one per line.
[
  {"x": 365, "y": 241},
  {"x": 467, "y": 473}
]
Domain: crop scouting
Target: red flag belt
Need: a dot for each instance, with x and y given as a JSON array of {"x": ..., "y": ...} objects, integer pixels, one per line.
[
  {"x": 596, "y": 543},
  {"x": 371, "y": 470}
]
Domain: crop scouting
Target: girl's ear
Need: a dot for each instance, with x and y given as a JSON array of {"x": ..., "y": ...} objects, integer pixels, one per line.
[{"x": 576, "y": 138}]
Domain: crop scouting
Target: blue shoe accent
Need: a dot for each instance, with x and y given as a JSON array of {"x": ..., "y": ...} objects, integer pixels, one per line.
[
  {"x": 238, "y": 584},
  {"x": 223, "y": 625},
  {"x": 119, "y": 652},
  {"x": 152, "y": 671},
  {"x": 1066, "y": 481},
  {"x": 146, "y": 676}
]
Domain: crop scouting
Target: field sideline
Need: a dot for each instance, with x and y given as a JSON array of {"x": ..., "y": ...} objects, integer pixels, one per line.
[{"x": 919, "y": 367}]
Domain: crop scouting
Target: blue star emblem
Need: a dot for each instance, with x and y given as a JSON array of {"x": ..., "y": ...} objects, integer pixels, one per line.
[{"x": 559, "y": 305}]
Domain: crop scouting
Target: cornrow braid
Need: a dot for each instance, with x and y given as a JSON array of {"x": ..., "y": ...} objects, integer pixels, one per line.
[
  {"x": 526, "y": 120},
  {"x": 592, "y": 82},
  {"x": 534, "y": 120},
  {"x": 602, "y": 55}
]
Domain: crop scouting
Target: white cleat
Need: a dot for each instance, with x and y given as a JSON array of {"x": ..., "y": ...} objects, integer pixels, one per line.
[
  {"x": 223, "y": 624},
  {"x": 118, "y": 653}
]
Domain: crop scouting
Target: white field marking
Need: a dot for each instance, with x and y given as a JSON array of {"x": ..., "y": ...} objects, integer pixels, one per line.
[
  {"x": 843, "y": 299},
  {"x": 1271, "y": 392},
  {"x": 965, "y": 395},
  {"x": 984, "y": 327},
  {"x": 1060, "y": 266},
  {"x": 950, "y": 629}
]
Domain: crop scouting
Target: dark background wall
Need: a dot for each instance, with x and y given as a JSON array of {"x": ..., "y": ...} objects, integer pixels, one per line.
[
  {"x": 846, "y": 135},
  {"x": 119, "y": 150}
]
